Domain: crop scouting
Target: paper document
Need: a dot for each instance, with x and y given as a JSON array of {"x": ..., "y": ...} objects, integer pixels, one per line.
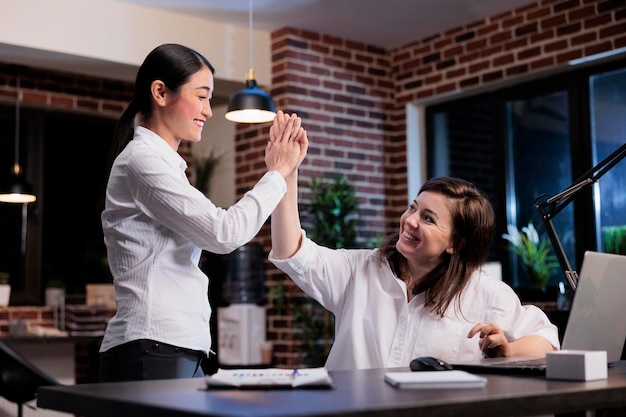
[
  {"x": 435, "y": 379},
  {"x": 270, "y": 378}
]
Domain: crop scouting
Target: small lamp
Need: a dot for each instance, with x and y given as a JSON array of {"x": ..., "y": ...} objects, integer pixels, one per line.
[
  {"x": 251, "y": 105},
  {"x": 18, "y": 190}
]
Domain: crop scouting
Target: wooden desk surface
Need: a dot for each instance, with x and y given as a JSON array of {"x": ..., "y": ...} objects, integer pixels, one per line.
[{"x": 355, "y": 393}]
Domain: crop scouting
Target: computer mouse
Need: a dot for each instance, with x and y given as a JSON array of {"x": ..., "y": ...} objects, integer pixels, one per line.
[{"x": 428, "y": 363}]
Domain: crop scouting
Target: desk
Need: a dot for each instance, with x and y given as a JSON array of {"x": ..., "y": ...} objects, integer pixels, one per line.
[{"x": 355, "y": 393}]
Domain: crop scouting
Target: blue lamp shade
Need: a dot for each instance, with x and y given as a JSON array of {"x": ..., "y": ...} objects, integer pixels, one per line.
[
  {"x": 251, "y": 105},
  {"x": 18, "y": 190}
]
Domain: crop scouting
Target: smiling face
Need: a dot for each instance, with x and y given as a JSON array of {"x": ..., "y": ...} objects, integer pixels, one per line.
[
  {"x": 426, "y": 229},
  {"x": 184, "y": 113}
]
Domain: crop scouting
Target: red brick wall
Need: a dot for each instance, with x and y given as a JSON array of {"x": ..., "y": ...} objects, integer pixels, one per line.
[
  {"x": 343, "y": 91},
  {"x": 538, "y": 37},
  {"x": 61, "y": 91}
]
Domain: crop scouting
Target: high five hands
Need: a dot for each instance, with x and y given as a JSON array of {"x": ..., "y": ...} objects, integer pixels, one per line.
[{"x": 288, "y": 144}]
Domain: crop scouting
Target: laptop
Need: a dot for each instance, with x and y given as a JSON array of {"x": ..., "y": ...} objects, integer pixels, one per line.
[{"x": 596, "y": 320}]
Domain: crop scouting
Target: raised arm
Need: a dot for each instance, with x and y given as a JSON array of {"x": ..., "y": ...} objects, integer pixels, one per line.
[{"x": 286, "y": 235}]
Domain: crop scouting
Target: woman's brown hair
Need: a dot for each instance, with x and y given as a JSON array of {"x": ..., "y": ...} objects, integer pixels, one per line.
[{"x": 473, "y": 230}]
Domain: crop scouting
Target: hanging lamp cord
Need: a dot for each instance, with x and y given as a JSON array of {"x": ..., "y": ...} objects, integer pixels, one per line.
[
  {"x": 251, "y": 40},
  {"x": 17, "y": 126}
]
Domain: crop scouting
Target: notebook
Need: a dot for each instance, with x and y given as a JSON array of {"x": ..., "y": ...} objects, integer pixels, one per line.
[
  {"x": 435, "y": 379},
  {"x": 270, "y": 378},
  {"x": 596, "y": 320}
]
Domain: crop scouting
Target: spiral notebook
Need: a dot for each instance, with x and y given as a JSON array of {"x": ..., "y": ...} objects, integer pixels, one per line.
[{"x": 595, "y": 321}]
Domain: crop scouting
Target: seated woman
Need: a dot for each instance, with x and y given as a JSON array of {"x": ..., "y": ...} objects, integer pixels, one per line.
[{"x": 422, "y": 293}]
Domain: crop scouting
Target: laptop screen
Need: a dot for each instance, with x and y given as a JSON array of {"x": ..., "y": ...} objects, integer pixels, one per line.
[{"x": 597, "y": 318}]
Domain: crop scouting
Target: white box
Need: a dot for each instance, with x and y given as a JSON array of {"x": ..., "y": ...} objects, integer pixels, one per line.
[
  {"x": 576, "y": 365},
  {"x": 101, "y": 295}
]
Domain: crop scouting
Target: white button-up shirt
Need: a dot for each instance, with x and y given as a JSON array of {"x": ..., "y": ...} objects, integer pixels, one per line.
[
  {"x": 377, "y": 327},
  {"x": 155, "y": 226}
]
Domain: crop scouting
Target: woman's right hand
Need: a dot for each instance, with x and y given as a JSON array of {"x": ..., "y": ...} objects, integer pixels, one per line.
[{"x": 288, "y": 144}]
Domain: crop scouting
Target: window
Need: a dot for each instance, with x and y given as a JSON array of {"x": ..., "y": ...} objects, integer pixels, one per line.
[
  {"x": 538, "y": 159},
  {"x": 608, "y": 133},
  {"x": 62, "y": 236},
  {"x": 533, "y": 140}
]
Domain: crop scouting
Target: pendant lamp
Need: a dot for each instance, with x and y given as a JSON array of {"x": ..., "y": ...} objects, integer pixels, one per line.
[
  {"x": 251, "y": 105},
  {"x": 17, "y": 190}
]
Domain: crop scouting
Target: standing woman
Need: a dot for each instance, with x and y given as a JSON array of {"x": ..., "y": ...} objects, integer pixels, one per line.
[{"x": 156, "y": 224}]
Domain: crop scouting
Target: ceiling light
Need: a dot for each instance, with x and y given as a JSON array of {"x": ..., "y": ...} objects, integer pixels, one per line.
[
  {"x": 251, "y": 105},
  {"x": 17, "y": 190}
]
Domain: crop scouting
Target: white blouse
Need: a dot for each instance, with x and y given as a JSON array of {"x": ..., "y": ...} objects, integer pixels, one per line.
[
  {"x": 155, "y": 226},
  {"x": 376, "y": 326}
]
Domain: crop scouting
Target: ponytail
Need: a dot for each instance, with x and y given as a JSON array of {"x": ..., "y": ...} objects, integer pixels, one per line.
[{"x": 124, "y": 131}]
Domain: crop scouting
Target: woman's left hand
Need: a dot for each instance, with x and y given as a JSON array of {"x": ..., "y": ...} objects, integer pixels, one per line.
[{"x": 493, "y": 343}]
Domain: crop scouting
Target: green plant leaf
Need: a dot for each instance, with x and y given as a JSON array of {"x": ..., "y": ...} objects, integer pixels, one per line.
[
  {"x": 204, "y": 169},
  {"x": 534, "y": 252}
]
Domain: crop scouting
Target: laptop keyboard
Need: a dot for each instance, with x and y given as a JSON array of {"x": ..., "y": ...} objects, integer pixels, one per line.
[
  {"x": 526, "y": 362},
  {"x": 529, "y": 366}
]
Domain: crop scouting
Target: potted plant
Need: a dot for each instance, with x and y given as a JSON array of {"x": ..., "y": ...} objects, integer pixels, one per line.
[
  {"x": 534, "y": 252},
  {"x": 5, "y": 289},
  {"x": 204, "y": 168},
  {"x": 55, "y": 292},
  {"x": 614, "y": 239},
  {"x": 333, "y": 214}
]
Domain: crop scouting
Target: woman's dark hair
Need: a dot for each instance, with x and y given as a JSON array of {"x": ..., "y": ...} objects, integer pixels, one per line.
[
  {"x": 473, "y": 219},
  {"x": 171, "y": 63}
]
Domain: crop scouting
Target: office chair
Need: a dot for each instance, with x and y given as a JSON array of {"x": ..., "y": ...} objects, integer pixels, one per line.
[{"x": 19, "y": 378}]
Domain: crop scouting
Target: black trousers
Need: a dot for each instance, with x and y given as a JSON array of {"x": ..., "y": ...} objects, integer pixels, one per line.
[{"x": 148, "y": 359}]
